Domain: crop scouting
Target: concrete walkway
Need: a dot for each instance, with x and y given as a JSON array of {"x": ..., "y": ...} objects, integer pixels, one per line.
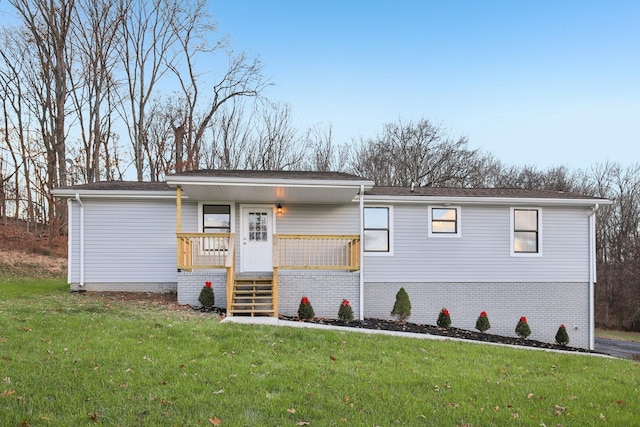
[{"x": 273, "y": 321}]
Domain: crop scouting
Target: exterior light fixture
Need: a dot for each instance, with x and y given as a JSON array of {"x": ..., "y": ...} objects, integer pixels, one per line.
[{"x": 279, "y": 208}]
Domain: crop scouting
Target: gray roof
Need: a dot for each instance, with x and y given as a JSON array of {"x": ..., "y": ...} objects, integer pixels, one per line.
[
  {"x": 215, "y": 173},
  {"x": 474, "y": 192},
  {"x": 338, "y": 176}
]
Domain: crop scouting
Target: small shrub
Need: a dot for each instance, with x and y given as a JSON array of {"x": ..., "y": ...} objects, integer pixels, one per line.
[
  {"x": 305, "y": 310},
  {"x": 444, "y": 319},
  {"x": 345, "y": 313},
  {"x": 562, "y": 337},
  {"x": 206, "y": 297},
  {"x": 482, "y": 324},
  {"x": 522, "y": 328},
  {"x": 402, "y": 307}
]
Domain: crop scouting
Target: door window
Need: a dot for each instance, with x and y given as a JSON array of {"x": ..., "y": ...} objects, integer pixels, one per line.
[{"x": 258, "y": 227}]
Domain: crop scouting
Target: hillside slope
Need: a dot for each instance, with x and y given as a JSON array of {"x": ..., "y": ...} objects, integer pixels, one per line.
[{"x": 25, "y": 252}]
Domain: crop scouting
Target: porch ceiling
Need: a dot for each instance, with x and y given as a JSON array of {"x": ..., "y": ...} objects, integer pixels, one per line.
[{"x": 264, "y": 192}]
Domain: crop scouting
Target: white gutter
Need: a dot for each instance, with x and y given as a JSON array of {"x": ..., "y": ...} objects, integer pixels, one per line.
[
  {"x": 114, "y": 194},
  {"x": 361, "y": 252},
  {"x": 511, "y": 201},
  {"x": 592, "y": 275},
  {"x": 81, "y": 240}
]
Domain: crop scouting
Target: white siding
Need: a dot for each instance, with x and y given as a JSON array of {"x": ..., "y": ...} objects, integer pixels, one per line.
[
  {"x": 126, "y": 241},
  {"x": 482, "y": 253},
  {"x": 319, "y": 219},
  {"x": 189, "y": 217}
]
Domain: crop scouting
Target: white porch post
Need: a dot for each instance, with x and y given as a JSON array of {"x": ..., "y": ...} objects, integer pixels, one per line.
[{"x": 592, "y": 276}]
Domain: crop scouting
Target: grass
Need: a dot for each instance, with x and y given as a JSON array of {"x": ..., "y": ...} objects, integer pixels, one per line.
[
  {"x": 618, "y": 335},
  {"x": 68, "y": 359}
]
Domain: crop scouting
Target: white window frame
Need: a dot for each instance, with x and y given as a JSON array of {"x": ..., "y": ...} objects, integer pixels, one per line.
[
  {"x": 436, "y": 235},
  {"x": 390, "y": 252},
  {"x": 512, "y": 232}
]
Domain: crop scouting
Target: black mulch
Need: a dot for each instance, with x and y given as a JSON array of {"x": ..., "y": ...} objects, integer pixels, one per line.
[
  {"x": 391, "y": 325},
  {"x": 416, "y": 328}
]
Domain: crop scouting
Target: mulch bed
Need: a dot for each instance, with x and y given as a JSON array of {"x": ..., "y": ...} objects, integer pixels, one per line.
[{"x": 390, "y": 325}]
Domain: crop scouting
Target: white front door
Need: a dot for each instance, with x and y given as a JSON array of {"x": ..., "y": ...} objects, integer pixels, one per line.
[{"x": 257, "y": 238}]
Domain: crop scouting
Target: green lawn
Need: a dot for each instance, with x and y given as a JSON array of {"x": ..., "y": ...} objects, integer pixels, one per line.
[
  {"x": 618, "y": 335},
  {"x": 69, "y": 359}
]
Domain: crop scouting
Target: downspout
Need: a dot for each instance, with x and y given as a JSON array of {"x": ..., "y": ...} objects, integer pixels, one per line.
[
  {"x": 69, "y": 237},
  {"x": 361, "y": 199},
  {"x": 81, "y": 284},
  {"x": 592, "y": 275}
]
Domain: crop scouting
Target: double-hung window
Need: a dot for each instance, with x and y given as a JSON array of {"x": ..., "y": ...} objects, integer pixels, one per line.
[
  {"x": 526, "y": 231},
  {"x": 444, "y": 221},
  {"x": 216, "y": 219},
  {"x": 377, "y": 230}
]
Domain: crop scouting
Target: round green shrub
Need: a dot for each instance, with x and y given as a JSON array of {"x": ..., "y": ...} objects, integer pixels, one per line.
[
  {"x": 402, "y": 306},
  {"x": 562, "y": 337},
  {"x": 482, "y": 324},
  {"x": 206, "y": 297},
  {"x": 522, "y": 328},
  {"x": 345, "y": 312},
  {"x": 444, "y": 319},
  {"x": 305, "y": 310}
]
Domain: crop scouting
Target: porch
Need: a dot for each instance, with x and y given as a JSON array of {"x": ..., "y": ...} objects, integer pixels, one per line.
[
  {"x": 317, "y": 251},
  {"x": 257, "y": 293}
]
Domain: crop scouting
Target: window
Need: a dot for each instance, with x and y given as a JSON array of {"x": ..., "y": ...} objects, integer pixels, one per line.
[
  {"x": 216, "y": 219},
  {"x": 377, "y": 230},
  {"x": 526, "y": 231},
  {"x": 444, "y": 221}
]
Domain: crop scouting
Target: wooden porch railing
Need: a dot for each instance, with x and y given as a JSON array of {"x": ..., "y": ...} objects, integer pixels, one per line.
[
  {"x": 230, "y": 264},
  {"x": 327, "y": 252},
  {"x": 204, "y": 250}
]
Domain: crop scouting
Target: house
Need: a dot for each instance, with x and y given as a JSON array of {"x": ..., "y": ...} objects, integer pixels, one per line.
[{"x": 265, "y": 239}]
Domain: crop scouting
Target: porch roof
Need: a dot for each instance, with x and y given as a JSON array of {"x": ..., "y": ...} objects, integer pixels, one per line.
[{"x": 269, "y": 186}]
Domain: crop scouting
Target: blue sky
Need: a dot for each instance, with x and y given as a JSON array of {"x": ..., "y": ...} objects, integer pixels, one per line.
[{"x": 541, "y": 83}]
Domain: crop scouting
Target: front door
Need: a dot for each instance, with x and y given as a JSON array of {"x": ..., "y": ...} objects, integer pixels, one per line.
[{"x": 257, "y": 238}]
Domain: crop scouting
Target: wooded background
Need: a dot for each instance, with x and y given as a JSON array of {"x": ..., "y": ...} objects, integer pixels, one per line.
[{"x": 97, "y": 90}]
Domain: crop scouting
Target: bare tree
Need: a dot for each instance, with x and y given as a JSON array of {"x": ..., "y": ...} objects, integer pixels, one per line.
[
  {"x": 420, "y": 153},
  {"x": 24, "y": 99},
  {"x": 276, "y": 145},
  {"x": 618, "y": 250},
  {"x": 230, "y": 138},
  {"x": 96, "y": 40},
  {"x": 556, "y": 178},
  {"x": 12, "y": 116},
  {"x": 241, "y": 78},
  {"x": 48, "y": 23},
  {"x": 148, "y": 51},
  {"x": 322, "y": 153}
]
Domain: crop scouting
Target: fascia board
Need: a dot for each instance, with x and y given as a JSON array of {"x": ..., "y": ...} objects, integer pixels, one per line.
[
  {"x": 485, "y": 200},
  {"x": 114, "y": 194}
]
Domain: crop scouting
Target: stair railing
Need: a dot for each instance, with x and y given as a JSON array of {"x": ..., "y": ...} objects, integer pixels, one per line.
[{"x": 230, "y": 264}]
